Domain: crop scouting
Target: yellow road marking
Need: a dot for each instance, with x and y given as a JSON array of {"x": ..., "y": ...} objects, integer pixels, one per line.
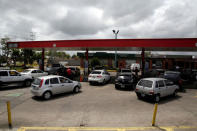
[{"x": 170, "y": 128}]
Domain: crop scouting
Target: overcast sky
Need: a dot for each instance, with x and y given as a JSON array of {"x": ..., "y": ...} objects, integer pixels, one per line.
[
  {"x": 95, "y": 19},
  {"x": 90, "y": 19}
]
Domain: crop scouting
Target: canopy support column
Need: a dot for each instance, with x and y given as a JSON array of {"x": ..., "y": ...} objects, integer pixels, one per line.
[
  {"x": 42, "y": 64},
  {"x": 143, "y": 61}
]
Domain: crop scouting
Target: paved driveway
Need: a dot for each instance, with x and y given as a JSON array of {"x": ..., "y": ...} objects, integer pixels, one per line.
[{"x": 96, "y": 106}]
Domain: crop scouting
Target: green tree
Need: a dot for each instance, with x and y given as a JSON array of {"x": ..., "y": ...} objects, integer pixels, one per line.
[
  {"x": 28, "y": 56},
  {"x": 15, "y": 55},
  {"x": 74, "y": 56},
  {"x": 5, "y": 50},
  {"x": 95, "y": 62}
]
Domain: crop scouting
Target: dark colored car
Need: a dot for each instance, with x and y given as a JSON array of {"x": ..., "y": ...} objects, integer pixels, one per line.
[
  {"x": 75, "y": 71},
  {"x": 125, "y": 80},
  {"x": 56, "y": 69},
  {"x": 174, "y": 76}
]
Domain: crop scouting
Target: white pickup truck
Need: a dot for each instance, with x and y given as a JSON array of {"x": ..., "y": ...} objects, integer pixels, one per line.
[{"x": 9, "y": 77}]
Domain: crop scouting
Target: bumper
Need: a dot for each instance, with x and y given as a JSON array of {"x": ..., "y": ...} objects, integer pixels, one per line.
[
  {"x": 149, "y": 96},
  {"x": 95, "y": 80},
  {"x": 122, "y": 85},
  {"x": 36, "y": 92}
]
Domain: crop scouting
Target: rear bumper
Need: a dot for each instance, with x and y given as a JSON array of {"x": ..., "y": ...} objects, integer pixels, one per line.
[
  {"x": 95, "y": 80},
  {"x": 123, "y": 85},
  {"x": 150, "y": 96},
  {"x": 36, "y": 92}
]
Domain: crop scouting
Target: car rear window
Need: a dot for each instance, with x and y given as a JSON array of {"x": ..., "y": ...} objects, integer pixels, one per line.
[
  {"x": 96, "y": 72},
  {"x": 145, "y": 83},
  {"x": 37, "y": 81},
  {"x": 3, "y": 73},
  {"x": 56, "y": 65}
]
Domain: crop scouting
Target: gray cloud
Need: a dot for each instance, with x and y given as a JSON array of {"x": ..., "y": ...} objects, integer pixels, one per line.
[{"x": 77, "y": 19}]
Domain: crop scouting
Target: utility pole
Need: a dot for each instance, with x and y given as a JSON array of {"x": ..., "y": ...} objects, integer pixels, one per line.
[{"x": 116, "y": 37}]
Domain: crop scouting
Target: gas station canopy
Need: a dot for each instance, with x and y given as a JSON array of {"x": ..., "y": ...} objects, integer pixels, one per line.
[{"x": 161, "y": 44}]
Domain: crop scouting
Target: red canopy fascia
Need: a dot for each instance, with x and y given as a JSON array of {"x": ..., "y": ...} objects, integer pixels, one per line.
[{"x": 166, "y": 44}]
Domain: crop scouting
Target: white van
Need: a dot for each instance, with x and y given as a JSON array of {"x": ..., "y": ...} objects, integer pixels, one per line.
[{"x": 134, "y": 66}]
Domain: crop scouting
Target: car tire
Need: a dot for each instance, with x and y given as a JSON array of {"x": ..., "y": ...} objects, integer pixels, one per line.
[
  {"x": 76, "y": 89},
  {"x": 139, "y": 96},
  {"x": 175, "y": 93},
  {"x": 157, "y": 98},
  {"x": 117, "y": 88},
  {"x": 104, "y": 82},
  {"x": 47, "y": 95},
  {"x": 27, "y": 83}
]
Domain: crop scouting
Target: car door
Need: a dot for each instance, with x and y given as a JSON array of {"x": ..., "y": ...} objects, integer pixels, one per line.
[
  {"x": 4, "y": 76},
  {"x": 55, "y": 85},
  {"x": 34, "y": 73},
  {"x": 170, "y": 87},
  {"x": 15, "y": 77},
  {"x": 161, "y": 87},
  {"x": 39, "y": 73},
  {"x": 66, "y": 84},
  {"x": 108, "y": 76}
]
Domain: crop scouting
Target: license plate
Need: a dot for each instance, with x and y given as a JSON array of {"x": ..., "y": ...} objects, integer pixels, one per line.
[
  {"x": 122, "y": 86},
  {"x": 143, "y": 95}
]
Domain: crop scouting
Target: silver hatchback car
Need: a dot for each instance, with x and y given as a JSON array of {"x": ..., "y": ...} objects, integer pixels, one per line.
[
  {"x": 155, "y": 88},
  {"x": 47, "y": 86}
]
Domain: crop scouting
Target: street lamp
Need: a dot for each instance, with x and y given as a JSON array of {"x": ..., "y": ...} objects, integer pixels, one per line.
[{"x": 116, "y": 37}]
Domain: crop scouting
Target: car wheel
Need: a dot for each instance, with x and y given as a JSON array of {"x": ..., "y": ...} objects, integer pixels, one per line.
[
  {"x": 104, "y": 81},
  {"x": 175, "y": 93},
  {"x": 139, "y": 96},
  {"x": 157, "y": 98},
  {"x": 27, "y": 83},
  {"x": 76, "y": 89},
  {"x": 47, "y": 95},
  {"x": 117, "y": 88}
]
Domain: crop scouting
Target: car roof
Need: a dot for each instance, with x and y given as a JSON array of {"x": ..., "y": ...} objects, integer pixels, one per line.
[
  {"x": 32, "y": 69},
  {"x": 7, "y": 70},
  {"x": 99, "y": 70},
  {"x": 49, "y": 76},
  {"x": 154, "y": 79}
]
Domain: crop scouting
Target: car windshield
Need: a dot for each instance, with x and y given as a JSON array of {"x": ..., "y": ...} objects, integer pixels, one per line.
[
  {"x": 56, "y": 65},
  {"x": 25, "y": 71},
  {"x": 37, "y": 81},
  {"x": 146, "y": 83},
  {"x": 96, "y": 72}
]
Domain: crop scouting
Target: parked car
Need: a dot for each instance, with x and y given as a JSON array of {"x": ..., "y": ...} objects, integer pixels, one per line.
[
  {"x": 175, "y": 77},
  {"x": 9, "y": 77},
  {"x": 56, "y": 69},
  {"x": 155, "y": 88},
  {"x": 134, "y": 66},
  {"x": 47, "y": 86},
  {"x": 34, "y": 73},
  {"x": 125, "y": 80},
  {"x": 123, "y": 70},
  {"x": 98, "y": 76},
  {"x": 75, "y": 71}
]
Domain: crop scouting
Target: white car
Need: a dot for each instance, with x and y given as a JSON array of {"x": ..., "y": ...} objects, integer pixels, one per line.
[
  {"x": 155, "y": 88},
  {"x": 134, "y": 66},
  {"x": 34, "y": 73},
  {"x": 10, "y": 77},
  {"x": 98, "y": 76},
  {"x": 46, "y": 86}
]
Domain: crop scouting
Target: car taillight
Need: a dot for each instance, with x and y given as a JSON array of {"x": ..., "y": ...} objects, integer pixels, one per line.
[
  {"x": 99, "y": 76},
  {"x": 41, "y": 83},
  {"x": 180, "y": 81},
  {"x": 151, "y": 92},
  {"x": 136, "y": 89}
]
